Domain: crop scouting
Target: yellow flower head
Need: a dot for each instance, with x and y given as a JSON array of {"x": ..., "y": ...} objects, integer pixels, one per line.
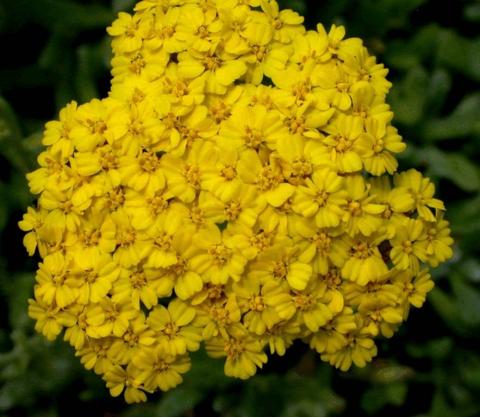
[{"x": 234, "y": 190}]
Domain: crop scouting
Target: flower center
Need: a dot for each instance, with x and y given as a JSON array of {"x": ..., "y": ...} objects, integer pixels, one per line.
[
  {"x": 268, "y": 179},
  {"x": 232, "y": 210},
  {"x": 220, "y": 254},
  {"x": 228, "y": 172},
  {"x": 149, "y": 162},
  {"x": 323, "y": 242}
]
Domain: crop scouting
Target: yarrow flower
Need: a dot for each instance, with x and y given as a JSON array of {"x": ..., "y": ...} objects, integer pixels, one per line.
[{"x": 237, "y": 190}]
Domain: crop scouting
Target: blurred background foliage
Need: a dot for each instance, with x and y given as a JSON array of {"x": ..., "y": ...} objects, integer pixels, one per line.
[{"x": 57, "y": 50}]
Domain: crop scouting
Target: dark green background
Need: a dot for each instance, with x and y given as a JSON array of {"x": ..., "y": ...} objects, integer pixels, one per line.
[{"x": 52, "y": 51}]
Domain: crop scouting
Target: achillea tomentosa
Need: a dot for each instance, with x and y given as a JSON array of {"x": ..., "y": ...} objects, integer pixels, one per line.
[{"x": 235, "y": 189}]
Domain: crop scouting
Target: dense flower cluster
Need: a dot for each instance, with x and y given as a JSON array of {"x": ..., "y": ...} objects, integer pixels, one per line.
[{"x": 237, "y": 188}]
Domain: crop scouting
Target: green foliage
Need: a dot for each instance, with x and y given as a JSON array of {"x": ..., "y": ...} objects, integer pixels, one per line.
[{"x": 430, "y": 369}]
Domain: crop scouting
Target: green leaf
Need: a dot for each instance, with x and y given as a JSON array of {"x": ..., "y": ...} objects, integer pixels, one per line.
[
  {"x": 19, "y": 289},
  {"x": 464, "y": 216},
  {"x": 379, "y": 396},
  {"x": 408, "y": 98},
  {"x": 470, "y": 268},
  {"x": 85, "y": 75},
  {"x": 10, "y": 138},
  {"x": 405, "y": 55},
  {"x": 122, "y": 5},
  {"x": 178, "y": 401},
  {"x": 297, "y": 5},
  {"x": 453, "y": 166},
  {"x": 437, "y": 349},
  {"x": 459, "y": 53},
  {"x": 462, "y": 122},
  {"x": 472, "y": 12},
  {"x": 470, "y": 370},
  {"x": 440, "y": 407},
  {"x": 392, "y": 14},
  {"x": 439, "y": 87},
  {"x": 467, "y": 299},
  {"x": 447, "y": 308},
  {"x": 391, "y": 373},
  {"x": 304, "y": 408},
  {"x": 68, "y": 16}
]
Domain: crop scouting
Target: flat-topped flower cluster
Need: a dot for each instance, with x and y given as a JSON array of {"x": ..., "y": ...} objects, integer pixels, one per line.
[{"x": 236, "y": 189}]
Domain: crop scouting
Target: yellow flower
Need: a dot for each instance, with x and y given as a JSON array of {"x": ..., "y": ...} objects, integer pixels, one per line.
[
  {"x": 233, "y": 190},
  {"x": 380, "y": 290},
  {"x": 296, "y": 159},
  {"x": 159, "y": 371},
  {"x": 200, "y": 31},
  {"x": 361, "y": 214},
  {"x": 192, "y": 129},
  {"x": 365, "y": 262},
  {"x": 253, "y": 128},
  {"x": 359, "y": 348},
  {"x": 217, "y": 310},
  {"x": 50, "y": 320},
  {"x": 422, "y": 192},
  {"x": 142, "y": 172},
  {"x": 55, "y": 284},
  {"x": 76, "y": 331},
  {"x": 57, "y": 133},
  {"x": 322, "y": 197},
  {"x": 281, "y": 336},
  {"x": 162, "y": 233},
  {"x": 333, "y": 336},
  {"x": 95, "y": 275},
  {"x": 131, "y": 245},
  {"x": 342, "y": 148},
  {"x": 310, "y": 48},
  {"x": 51, "y": 175},
  {"x": 266, "y": 176},
  {"x": 32, "y": 222},
  {"x": 257, "y": 316},
  {"x": 128, "y": 32},
  {"x": 333, "y": 85},
  {"x": 241, "y": 207},
  {"x": 164, "y": 31},
  {"x": 408, "y": 245},
  {"x": 145, "y": 207},
  {"x": 175, "y": 327},
  {"x": 108, "y": 318},
  {"x": 146, "y": 64},
  {"x": 183, "y": 94},
  {"x": 185, "y": 176},
  {"x": 219, "y": 260},
  {"x": 310, "y": 112},
  {"x": 414, "y": 287},
  {"x": 141, "y": 285},
  {"x": 312, "y": 307},
  {"x": 94, "y": 355},
  {"x": 282, "y": 262},
  {"x": 96, "y": 123},
  {"x": 380, "y": 316},
  {"x": 182, "y": 274},
  {"x": 397, "y": 200},
  {"x": 137, "y": 336},
  {"x": 244, "y": 352},
  {"x": 217, "y": 73},
  {"x": 287, "y": 23},
  {"x": 120, "y": 380},
  {"x": 323, "y": 247},
  {"x": 439, "y": 242},
  {"x": 383, "y": 141}
]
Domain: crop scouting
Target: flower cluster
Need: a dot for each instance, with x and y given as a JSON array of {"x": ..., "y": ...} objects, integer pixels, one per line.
[{"x": 236, "y": 189}]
